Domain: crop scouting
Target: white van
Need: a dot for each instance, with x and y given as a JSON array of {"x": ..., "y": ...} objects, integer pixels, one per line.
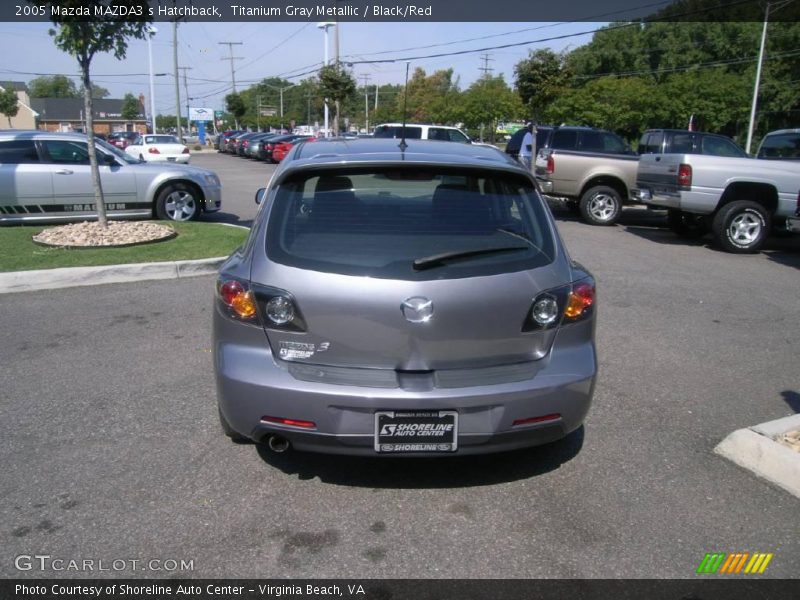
[{"x": 416, "y": 131}]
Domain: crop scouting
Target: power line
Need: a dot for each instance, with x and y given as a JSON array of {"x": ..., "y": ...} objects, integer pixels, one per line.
[
  {"x": 275, "y": 47},
  {"x": 593, "y": 18},
  {"x": 716, "y": 63},
  {"x": 540, "y": 40}
]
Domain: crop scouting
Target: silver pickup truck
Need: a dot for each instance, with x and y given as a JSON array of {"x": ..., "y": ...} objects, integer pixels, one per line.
[
  {"x": 738, "y": 199},
  {"x": 593, "y": 170}
]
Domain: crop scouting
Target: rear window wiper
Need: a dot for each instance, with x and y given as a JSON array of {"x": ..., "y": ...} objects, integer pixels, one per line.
[{"x": 437, "y": 260}]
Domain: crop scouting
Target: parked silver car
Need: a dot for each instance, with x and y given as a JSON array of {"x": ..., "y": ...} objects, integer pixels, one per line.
[
  {"x": 46, "y": 177},
  {"x": 414, "y": 300}
]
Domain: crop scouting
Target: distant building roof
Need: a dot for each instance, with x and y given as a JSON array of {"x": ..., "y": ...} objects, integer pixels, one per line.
[
  {"x": 71, "y": 109},
  {"x": 17, "y": 86}
]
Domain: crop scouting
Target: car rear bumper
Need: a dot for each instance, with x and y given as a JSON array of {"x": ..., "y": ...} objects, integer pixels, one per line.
[{"x": 251, "y": 384}]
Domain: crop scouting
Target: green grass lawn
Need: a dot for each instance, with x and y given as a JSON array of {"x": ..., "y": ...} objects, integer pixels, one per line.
[{"x": 194, "y": 240}]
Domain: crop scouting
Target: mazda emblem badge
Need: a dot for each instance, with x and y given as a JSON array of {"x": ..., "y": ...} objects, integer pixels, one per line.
[{"x": 417, "y": 309}]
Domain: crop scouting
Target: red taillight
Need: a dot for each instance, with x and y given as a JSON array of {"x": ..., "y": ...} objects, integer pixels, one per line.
[
  {"x": 246, "y": 143},
  {"x": 797, "y": 209},
  {"x": 580, "y": 300},
  {"x": 685, "y": 175},
  {"x": 185, "y": 151},
  {"x": 290, "y": 422},
  {"x": 153, "y": 150},
  {"x": 551, "y": 165},
  {"x": 234, "y": 295},
  {"x": 542, "y": 419}
]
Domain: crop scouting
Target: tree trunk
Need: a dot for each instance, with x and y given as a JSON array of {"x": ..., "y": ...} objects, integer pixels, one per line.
[
  {"x": 99, "y": 200},
  {"x": 336, "y": 119}
]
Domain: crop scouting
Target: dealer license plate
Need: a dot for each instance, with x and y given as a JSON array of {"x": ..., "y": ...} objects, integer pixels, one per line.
[{"x": 416, "y": 431}]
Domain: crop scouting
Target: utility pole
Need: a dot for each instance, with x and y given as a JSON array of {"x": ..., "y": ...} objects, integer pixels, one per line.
[
  {"x": 258, "y": 112},
  {"x": 486, "y": 68},
  {"x": 177, "y": 81},
  {"x": 232, "y": 58},
  {"x": 186, "y": 91},
  {"x": 365, "y": 77},
  {"x": 376, "y": 96}
]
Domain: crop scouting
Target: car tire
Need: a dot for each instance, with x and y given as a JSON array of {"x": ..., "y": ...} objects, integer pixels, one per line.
[
  {"x": 228, "y": 430},
  {"x": 601, "y": 205},
  {"x": 687, "y": 225},
  {"x": 741, "y": 227},
  {"x": 177, "y": 202}
]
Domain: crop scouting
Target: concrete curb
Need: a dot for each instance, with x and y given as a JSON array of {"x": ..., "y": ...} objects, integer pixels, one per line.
[
  {"x": 755, "y": 449},
  {"x": 48, "y": 279}
]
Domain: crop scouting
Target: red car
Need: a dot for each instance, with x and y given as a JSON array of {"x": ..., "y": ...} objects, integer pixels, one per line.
[
  {"x": 122, "y": 139},
  {"x": 281, "y": 149}
]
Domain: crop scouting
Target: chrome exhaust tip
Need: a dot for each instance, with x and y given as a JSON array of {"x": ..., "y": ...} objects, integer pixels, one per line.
[{"x": 278, "y": 444}]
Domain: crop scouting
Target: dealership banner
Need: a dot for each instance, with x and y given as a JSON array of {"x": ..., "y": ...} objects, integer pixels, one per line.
[
  {"x": 402, "y": 589},
  {"x": 385, "y": 10}
]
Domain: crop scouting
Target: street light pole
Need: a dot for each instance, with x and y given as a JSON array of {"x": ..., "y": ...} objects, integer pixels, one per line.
[
  {"x": 151, "y": 31},
  {"x": 324, "y": 26},
  {"x": 177, "y": 81},
  {"x": 752, "y": 123}
]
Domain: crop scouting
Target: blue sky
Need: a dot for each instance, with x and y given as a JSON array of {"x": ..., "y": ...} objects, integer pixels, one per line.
[{"x": 282, "y": 49}]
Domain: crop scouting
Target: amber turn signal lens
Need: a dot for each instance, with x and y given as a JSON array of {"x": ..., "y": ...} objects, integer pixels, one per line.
[
  {"x": 244, "y": 305},
  {"x": 580, "y": 298}
]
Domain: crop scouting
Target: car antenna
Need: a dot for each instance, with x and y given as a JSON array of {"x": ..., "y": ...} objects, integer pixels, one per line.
[{"x": 403, "y": 144}]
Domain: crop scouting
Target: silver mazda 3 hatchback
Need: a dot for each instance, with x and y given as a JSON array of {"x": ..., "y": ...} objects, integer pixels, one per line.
[{"x": 403, "y": 299}]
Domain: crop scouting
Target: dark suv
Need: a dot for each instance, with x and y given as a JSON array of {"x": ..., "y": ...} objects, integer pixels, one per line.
[
  {"x": 514, "y": 145},
  {"x": 683, "y": 141},
  {"x": 780, "y": 145}
]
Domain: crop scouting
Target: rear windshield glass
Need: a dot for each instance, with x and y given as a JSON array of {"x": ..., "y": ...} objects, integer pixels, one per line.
[
  {"x": 395, "y": 223},
  {"x": 392, "y": 131},
  {"x": 160, "y": 139},
  {"x": 785, "y": 146}
]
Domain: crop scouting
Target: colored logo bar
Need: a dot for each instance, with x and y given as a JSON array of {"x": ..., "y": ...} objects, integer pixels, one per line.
[{"x": 734, "y": 563}]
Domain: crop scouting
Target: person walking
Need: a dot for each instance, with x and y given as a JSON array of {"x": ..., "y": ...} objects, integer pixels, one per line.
[{"x": 526, "y": 148}]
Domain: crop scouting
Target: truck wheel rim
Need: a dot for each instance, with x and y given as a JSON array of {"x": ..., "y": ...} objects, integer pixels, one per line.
[
  {"x": 745, "y": 229},
  {"x": 602, "y": 207},
  {"x": 180, "y": 206}
]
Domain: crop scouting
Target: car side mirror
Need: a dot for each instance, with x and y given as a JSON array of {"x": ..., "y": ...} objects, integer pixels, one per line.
[
  {"x": 109, "y": 159},
  {"x": 260, "y": 195}
]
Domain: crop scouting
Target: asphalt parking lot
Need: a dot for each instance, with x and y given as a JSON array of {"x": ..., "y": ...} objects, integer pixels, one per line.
[{"x": 112, "y": 449}]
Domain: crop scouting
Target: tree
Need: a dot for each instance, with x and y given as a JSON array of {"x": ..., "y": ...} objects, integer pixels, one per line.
[
  {"x": 337, "y": 84},
  {"x": 540, "y": 79},
  {"x": 627, "y": 105},
  {"x": 168, "y": 122},
  {"x": 235, "y": 105},
  {"x": 85, "y": 39},
  {"x": 131, "y": 108},
  {"x": 8, "y": 103},
  {"x": 54, "y": 86},
  {"x": 431, "y": 98},
  {"x": 488, "y": 100},
  {"x": 99, "y": 91}
]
